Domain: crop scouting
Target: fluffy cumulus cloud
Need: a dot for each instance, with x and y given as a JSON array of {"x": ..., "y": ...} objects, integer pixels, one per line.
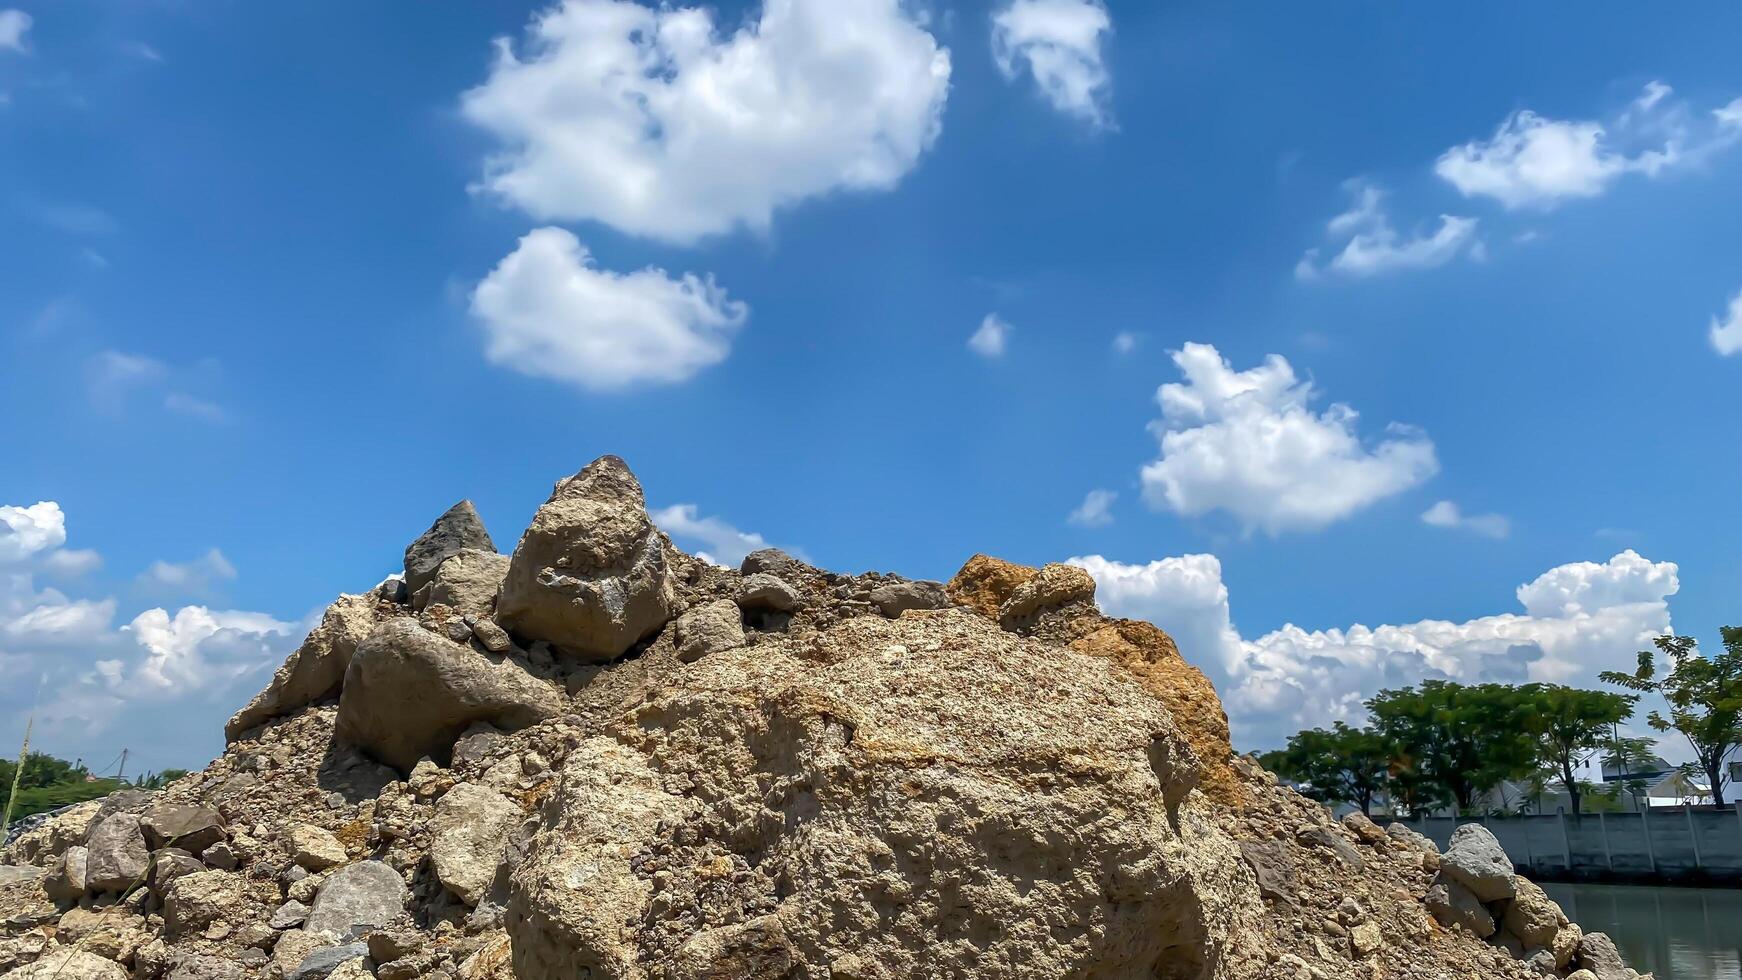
[
  {"x": 1448, "y": 514},
  {"x": 26, "y": 531},
  {"x": 1365, "y": 243},
  {"x": 1578, "y": 619},
  {"x": 549, "y": 311},
  {"x": 1251, "y": 444},
  {"x": 1096, "y": 509},
  {"x": 990, "y": 338},
  {"x": 14, "y": 24},
  {"x": 651, "y": 120},
  {"x": 1726, "y": 331},
  {"x": 1060, "y": 43},
  {"x": 89, "y": 681},
  {"x": 717, "y": 542},
  {"x": 1533, "y": 161}
]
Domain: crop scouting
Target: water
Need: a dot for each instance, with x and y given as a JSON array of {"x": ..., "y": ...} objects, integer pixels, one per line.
[{"x": 1677, "y": 933}]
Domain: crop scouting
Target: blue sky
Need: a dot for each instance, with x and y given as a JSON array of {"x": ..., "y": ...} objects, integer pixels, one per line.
[{"x": 281, "y": 282}]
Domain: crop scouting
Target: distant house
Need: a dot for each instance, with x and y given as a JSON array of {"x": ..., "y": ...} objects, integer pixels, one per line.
[{"x": 1650, "y": 768}]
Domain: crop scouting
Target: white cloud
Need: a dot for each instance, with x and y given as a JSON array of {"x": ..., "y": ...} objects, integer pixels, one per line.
[
  {"x": 1248, "y": 443},
  {"x": 199, "y": 647},
  {"x": 1095, "y": 511},
  {"x": 1726, "y": 333},
  {"x": 1060, "y": 44},
  {"x": 1371, "y": 245},
  {"x": 992, "y": 336},
  {"x": 548, "y": 311},
  {"x": 14, "y": 24},
  {"x": 112, "y": 377},
  {"x": 1447, "y": 514},
  {"x": 1125, "y": 341},
  {"x": 196, "y": 576},
  {"x": 1533, "y": 161},
  {"x": 100, "y": 679},
  {"x": 27, "y": 531},
  {"x": 1578, "y": 620},
  {"x": 182, "y": 403},
  {"x": 651, "y": 121},
  {"x": 722, "y": 544},
  {"x": 71, "y": 562}
]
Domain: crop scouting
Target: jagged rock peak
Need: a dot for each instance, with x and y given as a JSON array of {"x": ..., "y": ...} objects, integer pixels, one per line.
[{"x": 459, "y": 527}]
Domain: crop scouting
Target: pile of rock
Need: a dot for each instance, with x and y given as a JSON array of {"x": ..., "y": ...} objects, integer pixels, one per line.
[
  {"x": 599, "y": 756},
  {"x": 1477, "y": 891}
]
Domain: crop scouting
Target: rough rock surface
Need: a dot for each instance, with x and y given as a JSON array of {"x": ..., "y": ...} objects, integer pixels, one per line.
[
  {"x": 1475, "y": 859},
  {"x": 833, "y": 785},
  {"x": 317, "y": 668},
  {"x": 411, "y": 693},
  {"x": 590, "y": 574},
  {"x": 468, "y": 830}
]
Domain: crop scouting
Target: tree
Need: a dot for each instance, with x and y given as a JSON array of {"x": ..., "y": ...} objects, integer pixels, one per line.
[
  {"x": 1704, "y": 695},
  {"x": 1464, "y": 739},
  {"x": 1343, "y": 765},
  {"x": 1570, "y": 726},
  {"x": 1631, "y": 757}
]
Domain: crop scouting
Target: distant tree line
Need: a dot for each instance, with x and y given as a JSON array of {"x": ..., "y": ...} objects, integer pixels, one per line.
[
  {"x": 48, "y": 783},
  {"x": 1443, "y": 744}
]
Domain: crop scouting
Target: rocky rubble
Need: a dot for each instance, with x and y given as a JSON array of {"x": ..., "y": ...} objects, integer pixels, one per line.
[{"x": 601, "y": 757}]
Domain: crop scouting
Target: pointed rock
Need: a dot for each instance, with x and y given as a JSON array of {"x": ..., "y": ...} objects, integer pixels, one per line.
[
  {"x": 590, "y": 574},
  {"x": 459, "y": 528}
]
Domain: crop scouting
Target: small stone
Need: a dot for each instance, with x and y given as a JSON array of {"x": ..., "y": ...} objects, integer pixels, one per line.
[
  {"x": 467, "y": 832},
  {"x": 1363, "y": 828},
  {"x": 898, "y": 597},
  {"x": 315, "y": 848},
  {"x": 1365, "y": 938},
  {"x": 493, "y": 637},
  {"x": 190, "y": 828},
  {"x": 709, "y": 628},
  {"x": 289, "y": 915},
  {"x": 357, "y": 898},
  {"x": 195, "y": 901},
  {"x": 222, "y": 856},
  {"x": 322, "y": 962}
]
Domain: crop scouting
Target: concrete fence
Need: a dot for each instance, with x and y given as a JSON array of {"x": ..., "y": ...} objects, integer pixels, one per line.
[{"x": 1666, "y": 844}]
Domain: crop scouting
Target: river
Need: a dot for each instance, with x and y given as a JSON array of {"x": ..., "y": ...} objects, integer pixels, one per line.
[{"x": 1677, "y": 933}]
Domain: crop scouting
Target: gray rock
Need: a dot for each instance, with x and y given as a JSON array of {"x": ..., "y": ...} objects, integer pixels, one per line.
[
  {"x": 357, "y": 898},
  {"x": 1598, "y": 954},
  {"x": 764, "y": 591},
  {"x": 468, "y": 580},
  {"x": 477, "y": 743},
  {"x": 289, "y": 915},
  {"x": 65, "y": 881},
  {"x": 70, "y": 964},
  {"x": 779, "y": 564},
  {"x": 590, "y": 575},
  {"x": 118, "y": 854},
  {"x": 171, "y": 863},
  {"x": 709, "y": 628},
  {"x": 221, "y": 856},
  {"x": 470, "y": 825},
  {"x": 322, "y": 962},
  {"x": 895, "y": 598},
  {"x": 1412, "y": 838},
  {"x": 1328, "y": 839},
  {"x": 1453, "y": 904},
  {"x": 459, "y": 528},
  {"x": 410, "y": 693},
  {"x": 1477, "y": 861},
  {"x": 1272, "y": 867},
  {"x": 189, "y": 828}
]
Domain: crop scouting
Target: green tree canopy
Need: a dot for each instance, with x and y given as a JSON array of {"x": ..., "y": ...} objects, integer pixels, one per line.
[
  {"x": 1570, "y": 726},
  {"x": 1704, "y": 695},
  {"x": 1462, "y": 739},
  {"x": 1342, "y": 765}
]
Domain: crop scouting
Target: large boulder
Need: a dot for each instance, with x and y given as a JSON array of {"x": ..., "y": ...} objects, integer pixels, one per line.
[
  {"x": 187, "y": 827},
  {"x": 590, "y": 574},
  {"x": 868, "y": 802},
  {"x": 410, "y": 693},
  {"x": 1532, "y": 916},
  {"x": 195, "y": 901},
  {"x": 118, "y": 855},
  {"x": 470, "y": 825},
  {"x": 316, "y": 669},
  {"x": 457, "y": 529},
  {"x": 1454, "y": 905},
  {"x": 356, "y": 900},
  {"x": 1475, "y": 859},
  {"x": 1597, "y": 953}
]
